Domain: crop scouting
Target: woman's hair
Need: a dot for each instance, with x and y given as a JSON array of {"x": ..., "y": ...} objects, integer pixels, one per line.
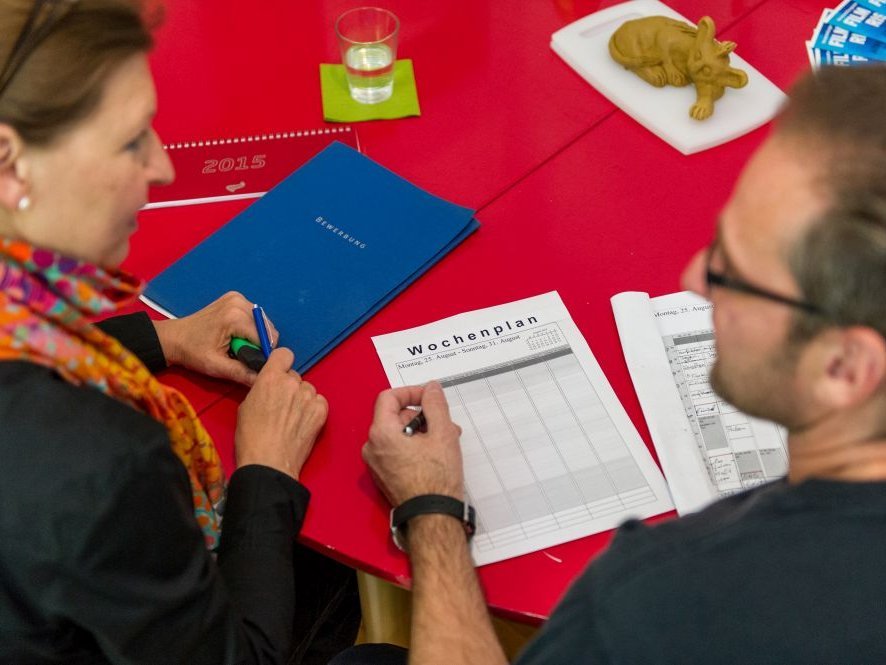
[{"x": 61, "y": 81}]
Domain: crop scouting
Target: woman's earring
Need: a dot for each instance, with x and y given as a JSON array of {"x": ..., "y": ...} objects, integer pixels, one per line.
[{"x": 24, "y": 203}]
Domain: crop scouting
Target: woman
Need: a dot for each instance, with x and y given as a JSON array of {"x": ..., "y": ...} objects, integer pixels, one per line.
[{"x": 110, "y": 487}]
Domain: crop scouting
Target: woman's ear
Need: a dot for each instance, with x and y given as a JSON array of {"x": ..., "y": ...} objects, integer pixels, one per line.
[{"x": 13, "y": 169}]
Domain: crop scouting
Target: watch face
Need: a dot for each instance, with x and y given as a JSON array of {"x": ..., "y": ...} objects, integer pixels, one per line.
[
  {"x": 396, "y": 534},
  {"x": 399, "y": 541}
]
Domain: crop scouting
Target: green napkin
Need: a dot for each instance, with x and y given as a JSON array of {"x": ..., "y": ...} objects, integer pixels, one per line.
[{"x": 339, "y": 107}]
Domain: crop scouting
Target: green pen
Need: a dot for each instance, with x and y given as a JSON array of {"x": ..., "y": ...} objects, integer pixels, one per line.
[{"x": 247, "y": 353}]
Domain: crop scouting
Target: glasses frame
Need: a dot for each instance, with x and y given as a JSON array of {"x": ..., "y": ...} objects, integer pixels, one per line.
[
  {"x": 716, "y": 278},
  {"x": 36, "y": 28}
]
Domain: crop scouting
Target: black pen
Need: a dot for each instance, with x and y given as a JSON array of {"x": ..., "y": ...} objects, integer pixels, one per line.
[{"x": 415, "y": 424}]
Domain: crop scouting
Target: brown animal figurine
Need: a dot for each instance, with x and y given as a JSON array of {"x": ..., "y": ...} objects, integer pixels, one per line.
[{"x": 663, "y": 51}]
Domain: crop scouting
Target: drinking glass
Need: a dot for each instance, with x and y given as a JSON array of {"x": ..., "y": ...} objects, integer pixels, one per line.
[{"x": 367, "y": 37}]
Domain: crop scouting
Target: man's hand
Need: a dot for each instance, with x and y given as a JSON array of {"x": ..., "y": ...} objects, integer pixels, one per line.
[
  {"x": 425, "y": 463},
  {"x": 200, "y": 341},
  {"x": 279, "y": 420},
  {"x": 450, "y": 623}
]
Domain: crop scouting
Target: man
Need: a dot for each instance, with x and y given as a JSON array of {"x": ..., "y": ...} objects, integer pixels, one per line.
[{"x": 790, "y": 572}]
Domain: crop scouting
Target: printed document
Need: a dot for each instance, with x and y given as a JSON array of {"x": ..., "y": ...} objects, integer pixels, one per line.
[
  {"x": 707, "y": 448},
  {"x": 549, "y": 453}
]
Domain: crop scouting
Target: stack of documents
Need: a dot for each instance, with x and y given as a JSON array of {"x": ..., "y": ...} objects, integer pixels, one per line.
[
  {"x": 321, "y": 252},
  {"x": 853, "y": 33}
]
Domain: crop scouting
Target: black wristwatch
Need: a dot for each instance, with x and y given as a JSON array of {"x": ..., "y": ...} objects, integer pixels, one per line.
[{"x": 426, "y": 504}]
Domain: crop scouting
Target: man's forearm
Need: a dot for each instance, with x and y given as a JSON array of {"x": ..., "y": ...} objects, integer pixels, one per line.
[{"x": 450, "y": 622}]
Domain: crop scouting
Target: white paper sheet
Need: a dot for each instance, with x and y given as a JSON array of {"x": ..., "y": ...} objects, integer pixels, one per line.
[
  {"x": 549, "y": 453},
  {"x": 707, "y": 448}
]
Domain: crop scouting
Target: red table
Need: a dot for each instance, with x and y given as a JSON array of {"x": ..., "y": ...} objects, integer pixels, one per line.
[{"x": 572, "y": 196}]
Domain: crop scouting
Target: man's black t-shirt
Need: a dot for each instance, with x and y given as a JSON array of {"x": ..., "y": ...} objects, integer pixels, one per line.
[{"x": 780, "y": 574}]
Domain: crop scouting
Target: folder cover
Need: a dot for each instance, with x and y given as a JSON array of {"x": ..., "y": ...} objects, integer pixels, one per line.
[{"x": 321, "y": 252}]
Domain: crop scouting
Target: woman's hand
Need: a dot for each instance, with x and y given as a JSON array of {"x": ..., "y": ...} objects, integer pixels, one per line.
[
  {"x": 279, "y": 420},
  {"x": 200, "y": 341}
]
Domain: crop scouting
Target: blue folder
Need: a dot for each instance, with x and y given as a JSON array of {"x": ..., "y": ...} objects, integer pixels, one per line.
[{"x": 322, "y": 251}]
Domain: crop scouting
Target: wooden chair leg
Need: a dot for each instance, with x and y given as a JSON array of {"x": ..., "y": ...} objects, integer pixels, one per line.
[
  {"x": 386, "y": 617},
  {"x": 386, "y": 610}
]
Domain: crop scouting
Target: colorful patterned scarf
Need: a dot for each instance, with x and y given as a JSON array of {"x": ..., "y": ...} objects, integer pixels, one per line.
[{"x": 46, "y": 301}]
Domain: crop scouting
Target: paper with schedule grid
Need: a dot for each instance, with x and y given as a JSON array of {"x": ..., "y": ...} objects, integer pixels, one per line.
[
  {"x": 707, "y": 448},
  {"x": 549, "y": 453}
]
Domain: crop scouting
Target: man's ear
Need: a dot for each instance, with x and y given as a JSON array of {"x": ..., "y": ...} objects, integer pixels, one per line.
[
  {"x": 13, "y": 169},
  {"x": 853, "y": 365}
]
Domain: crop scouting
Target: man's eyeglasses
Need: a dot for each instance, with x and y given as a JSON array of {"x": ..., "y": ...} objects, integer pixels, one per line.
[
  {"x": 43, "y": 17},
  {"x": 715, "y": 278}
]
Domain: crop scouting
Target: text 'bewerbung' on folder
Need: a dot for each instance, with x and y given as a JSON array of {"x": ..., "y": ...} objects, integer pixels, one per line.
[{"x": 321, "y": 252}]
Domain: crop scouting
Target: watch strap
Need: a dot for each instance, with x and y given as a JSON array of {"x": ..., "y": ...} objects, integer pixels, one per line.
[{"x": 428, "y": 504}]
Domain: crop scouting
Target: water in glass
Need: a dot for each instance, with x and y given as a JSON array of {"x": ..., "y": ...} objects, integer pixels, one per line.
[{"x": 370, "y": 70}]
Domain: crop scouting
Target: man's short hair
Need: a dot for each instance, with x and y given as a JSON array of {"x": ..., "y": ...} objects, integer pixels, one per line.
[{"x": 840, "y": 262}]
